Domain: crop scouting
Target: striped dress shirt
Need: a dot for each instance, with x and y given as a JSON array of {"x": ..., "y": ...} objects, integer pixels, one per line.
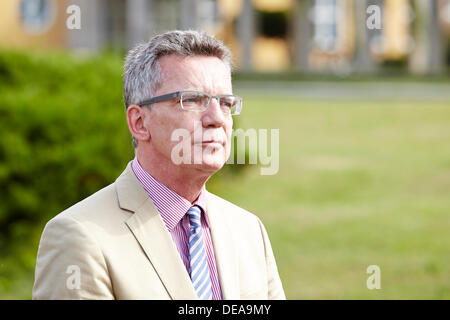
[{"x": 173, "y": 208}]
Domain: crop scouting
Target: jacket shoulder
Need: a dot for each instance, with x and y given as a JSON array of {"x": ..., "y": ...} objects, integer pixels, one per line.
[
  {"x": 233, "y": 212},
  {"x": 98, "y": 207}
]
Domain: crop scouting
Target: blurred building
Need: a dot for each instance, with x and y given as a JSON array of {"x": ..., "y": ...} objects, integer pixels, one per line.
[{"x": 337, "y": 36}]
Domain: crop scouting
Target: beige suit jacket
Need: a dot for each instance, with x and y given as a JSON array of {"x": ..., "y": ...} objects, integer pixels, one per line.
[{"x": 115, "y": 245}]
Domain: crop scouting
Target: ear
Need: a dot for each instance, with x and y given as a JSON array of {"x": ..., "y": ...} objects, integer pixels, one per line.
[{"x": 136, "y": 123}]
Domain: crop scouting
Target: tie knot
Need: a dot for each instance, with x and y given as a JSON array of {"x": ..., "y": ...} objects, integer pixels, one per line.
[{"x": 194, "y": 213}]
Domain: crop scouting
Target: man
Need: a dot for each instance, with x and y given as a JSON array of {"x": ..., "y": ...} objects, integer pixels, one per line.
[{"x": 156, "y": 232}]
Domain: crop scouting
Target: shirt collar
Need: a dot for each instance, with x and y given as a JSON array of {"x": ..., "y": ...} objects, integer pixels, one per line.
[{"x": 171, "y": 206}]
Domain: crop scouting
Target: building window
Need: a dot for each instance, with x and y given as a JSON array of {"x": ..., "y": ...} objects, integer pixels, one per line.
[
  {"x": 272, "y": 24},
  {"x": 325, "y": 24},
  {"x": 37, "y": 16}
]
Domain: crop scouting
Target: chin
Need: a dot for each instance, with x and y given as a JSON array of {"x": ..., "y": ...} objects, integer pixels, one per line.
[{"x": 211, "y": 163}]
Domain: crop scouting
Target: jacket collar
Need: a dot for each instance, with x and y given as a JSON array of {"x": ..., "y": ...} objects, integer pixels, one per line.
[{"x": 152, "y": 235}]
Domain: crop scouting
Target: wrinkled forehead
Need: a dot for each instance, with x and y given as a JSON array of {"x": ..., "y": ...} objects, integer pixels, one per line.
[{"x": 204, "y": 73}]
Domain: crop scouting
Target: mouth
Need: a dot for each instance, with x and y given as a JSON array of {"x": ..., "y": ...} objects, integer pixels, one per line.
[{"x": 211, "y": 143}]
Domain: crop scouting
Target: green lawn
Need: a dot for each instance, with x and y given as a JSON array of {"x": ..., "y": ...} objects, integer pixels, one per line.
[{"x": 359, "y": 183}]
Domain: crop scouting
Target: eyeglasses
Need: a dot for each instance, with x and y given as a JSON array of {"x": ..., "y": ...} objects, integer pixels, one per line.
[{"x": 199, "y": 101}]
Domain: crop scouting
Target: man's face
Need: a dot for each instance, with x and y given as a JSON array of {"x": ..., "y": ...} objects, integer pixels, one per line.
[{"x": 212, "y": 128}]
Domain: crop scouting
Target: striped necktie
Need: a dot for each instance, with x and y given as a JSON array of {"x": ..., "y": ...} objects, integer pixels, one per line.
[{"x": 197, "y": 256}]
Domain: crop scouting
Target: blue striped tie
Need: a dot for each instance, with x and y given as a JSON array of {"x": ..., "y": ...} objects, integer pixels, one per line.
[{"x": 197, "y": 256}]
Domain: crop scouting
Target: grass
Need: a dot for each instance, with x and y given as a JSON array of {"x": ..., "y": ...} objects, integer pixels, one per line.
[{"x": 359, "y": 183}]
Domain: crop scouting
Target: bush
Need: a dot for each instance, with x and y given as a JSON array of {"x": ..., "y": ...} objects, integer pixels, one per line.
[{"x": 63, "y": 136}]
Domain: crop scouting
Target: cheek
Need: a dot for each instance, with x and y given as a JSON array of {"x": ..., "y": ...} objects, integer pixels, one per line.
[
  {"x": 160, "y": 132},
  {"x": 162, "y": 123},
  {"x": 172, "y": 131},
  {"x": 228, "y": 132},
  {"x": 229, "y": 129}
]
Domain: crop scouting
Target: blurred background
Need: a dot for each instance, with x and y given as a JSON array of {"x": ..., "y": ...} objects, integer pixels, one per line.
[{"x": 359, "y": 90}]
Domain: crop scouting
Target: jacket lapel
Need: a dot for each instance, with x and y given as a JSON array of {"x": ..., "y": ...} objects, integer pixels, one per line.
[
  {"x": 225, "y": 250},
  {"x": 150, "y": 231}
]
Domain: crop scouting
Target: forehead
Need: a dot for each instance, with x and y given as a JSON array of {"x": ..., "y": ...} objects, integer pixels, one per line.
[{"x": 204, "y": 73}]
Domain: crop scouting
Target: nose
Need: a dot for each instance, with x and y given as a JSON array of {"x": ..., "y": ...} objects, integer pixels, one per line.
[{"x": 213, "y": 116}]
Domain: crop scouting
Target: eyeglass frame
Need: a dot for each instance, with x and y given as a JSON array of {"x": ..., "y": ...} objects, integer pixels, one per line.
[{"x": 178, "y": 94}]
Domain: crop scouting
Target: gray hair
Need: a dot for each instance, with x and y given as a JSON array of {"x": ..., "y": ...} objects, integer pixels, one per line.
[{"x": 142, "y": 72}]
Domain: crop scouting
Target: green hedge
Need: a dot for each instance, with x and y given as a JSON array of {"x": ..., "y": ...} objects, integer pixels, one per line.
[
  {"x": 63, "y": 132},
  {"x": 63, "y": 136}
]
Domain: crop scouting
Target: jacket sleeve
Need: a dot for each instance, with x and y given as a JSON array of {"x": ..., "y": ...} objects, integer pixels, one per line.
[
  {"x": 275, "y": 288},
  {"x": 70, "y": 263}
]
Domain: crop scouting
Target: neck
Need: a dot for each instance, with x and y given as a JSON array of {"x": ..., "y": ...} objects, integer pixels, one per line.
[{"x": 185, "y": 181}]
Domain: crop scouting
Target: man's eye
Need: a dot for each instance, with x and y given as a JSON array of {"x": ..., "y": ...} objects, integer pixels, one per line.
[
  {"x": 193, "y": 99},
  {"x": 226, "y": 103}
]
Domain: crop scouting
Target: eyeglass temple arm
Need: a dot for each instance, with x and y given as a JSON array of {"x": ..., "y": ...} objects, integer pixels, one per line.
[{"x": 160, "y": 98}]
